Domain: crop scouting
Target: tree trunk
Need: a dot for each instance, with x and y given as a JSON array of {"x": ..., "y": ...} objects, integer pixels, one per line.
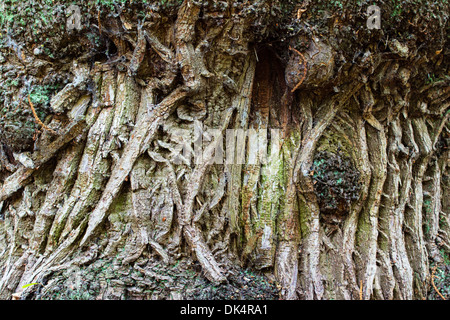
[{"x": 123, "y": 191}]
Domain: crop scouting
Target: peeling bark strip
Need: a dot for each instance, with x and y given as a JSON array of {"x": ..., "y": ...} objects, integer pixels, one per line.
[
  {"x": 90, "y": 174},
  {"x": 350, "y": 226}
]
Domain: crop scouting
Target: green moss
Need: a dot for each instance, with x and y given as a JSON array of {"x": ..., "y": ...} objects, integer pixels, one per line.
[
  {"x": 427, "y": 206},
  {"x": 41, "y": 95}
]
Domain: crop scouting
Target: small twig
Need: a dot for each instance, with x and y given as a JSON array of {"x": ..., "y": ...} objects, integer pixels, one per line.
[
  {"x": 37, "y": 118},
  {"x": 434, "y": 286},
  {"x": 361, "y": 290}
]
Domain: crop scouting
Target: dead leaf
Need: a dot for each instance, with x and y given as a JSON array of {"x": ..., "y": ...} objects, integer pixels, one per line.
[{"x": 16, "y": 295}]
